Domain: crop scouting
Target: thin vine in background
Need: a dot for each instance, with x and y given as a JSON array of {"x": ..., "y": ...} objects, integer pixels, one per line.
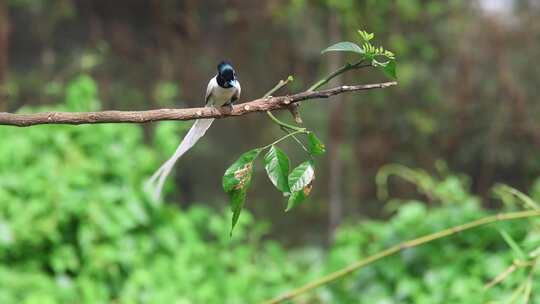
[{"x": 525, "y": 289}]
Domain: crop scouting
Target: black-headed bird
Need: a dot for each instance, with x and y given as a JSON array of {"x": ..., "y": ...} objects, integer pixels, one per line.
[{"x": 223, "y": 90}]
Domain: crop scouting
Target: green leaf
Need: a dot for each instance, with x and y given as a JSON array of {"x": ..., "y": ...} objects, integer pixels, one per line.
[
  {"x": 388, "y": 68},
  {"x": 365, "y": 35},
  {"x": 344, "y": 46},
  {"x": 301, "y": 176},
  {"x": 315, "y": 146},
  {"x": 232, "y": 177},
  {"x": 300, "y": 183},
  {"x": 298, "y": 197},
  {"x": 238, "y": 199},
  {"x": 276, "y": 164},
  {"x": 237, "y": 180}
]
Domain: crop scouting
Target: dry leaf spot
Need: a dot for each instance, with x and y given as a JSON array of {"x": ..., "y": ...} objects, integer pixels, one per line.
[
  {"x": 307, "y": 189},
  {"x": 242, "y": 175}
]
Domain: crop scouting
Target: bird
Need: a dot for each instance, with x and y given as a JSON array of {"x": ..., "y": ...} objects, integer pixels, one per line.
[{"x": 222, "y": 90}]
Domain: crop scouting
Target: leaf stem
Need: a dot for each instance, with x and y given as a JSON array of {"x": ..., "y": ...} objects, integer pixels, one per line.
[
  {"x": 296, "y": 139},
  {"x": 281, "y": 123},
  {"x": 301, "y": 144},
  {"x": 278, "y": 86},
  {"x": 398, "y": 248},
  {"x": 292, "y": 134},
  {"x": 349, "y": 66}
]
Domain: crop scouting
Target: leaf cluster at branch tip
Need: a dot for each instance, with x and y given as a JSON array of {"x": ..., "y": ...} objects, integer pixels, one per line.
[
  {"x": 378, "y": 57},
  {"x": 297, "y": 184}
]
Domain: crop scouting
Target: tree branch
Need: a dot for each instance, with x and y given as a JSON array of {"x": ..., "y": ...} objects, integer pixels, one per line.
[
  {"x": 398, "y": 248},
  {"x": 258, "y": 105}
]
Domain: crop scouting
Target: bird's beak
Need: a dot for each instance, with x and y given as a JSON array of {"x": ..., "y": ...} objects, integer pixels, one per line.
[{"x": 231, "y": 83}]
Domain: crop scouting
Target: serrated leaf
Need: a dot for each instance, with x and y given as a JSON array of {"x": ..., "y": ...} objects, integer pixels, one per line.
[
  {"x": 276, "y": 164},
  {"x": 344, "y": 46},
  {"x": 315, "y": 146},
  {"x": 301, "y": 176},
  {"x": 237, "y": 180}
]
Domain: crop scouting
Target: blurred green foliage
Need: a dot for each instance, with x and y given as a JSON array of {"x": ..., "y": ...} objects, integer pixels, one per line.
[
  {"x": 466, "y": 94},
  {"x": 75, "y": 227}
]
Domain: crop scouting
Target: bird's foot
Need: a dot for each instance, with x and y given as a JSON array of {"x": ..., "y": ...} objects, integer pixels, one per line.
[{"x": 228, "y": 105}]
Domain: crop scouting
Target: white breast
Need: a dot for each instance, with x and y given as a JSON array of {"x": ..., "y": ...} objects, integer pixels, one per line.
[{"x": 219, "y": 95}]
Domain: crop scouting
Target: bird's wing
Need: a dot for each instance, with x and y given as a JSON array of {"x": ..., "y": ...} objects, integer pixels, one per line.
[
  {"x": 237, "y": 91},
  {"x": 211, "y": 84}
]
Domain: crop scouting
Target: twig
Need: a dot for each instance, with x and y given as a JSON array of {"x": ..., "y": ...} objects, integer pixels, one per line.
[
  {"x": 398, "y": 248},
  {"x": 528, "y": 286},
  {"x": 292, "y": 107},
  {"x": 258, "y": 105},
  {"x": 502, "y": 276},
  {"x": 276, "y": 120},
  {"x": 508, "y": 271},
  {"x": 517, "y": 292},
  {"x": 349, "y": 66},
  {"x": 278, "y": 86}
]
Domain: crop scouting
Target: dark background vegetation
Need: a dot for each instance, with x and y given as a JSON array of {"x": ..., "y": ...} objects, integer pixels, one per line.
[{"x": 466, "y": 102}]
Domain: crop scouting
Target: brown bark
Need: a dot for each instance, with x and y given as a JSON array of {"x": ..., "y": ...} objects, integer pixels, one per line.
[{"x": 258, "y": 105}]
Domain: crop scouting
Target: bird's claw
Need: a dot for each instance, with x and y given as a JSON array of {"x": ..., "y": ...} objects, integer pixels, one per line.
[{"x": 228, "y": 105}]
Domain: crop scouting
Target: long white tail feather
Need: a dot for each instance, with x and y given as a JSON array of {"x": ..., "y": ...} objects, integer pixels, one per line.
[{"x": 197, "y": 131}]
